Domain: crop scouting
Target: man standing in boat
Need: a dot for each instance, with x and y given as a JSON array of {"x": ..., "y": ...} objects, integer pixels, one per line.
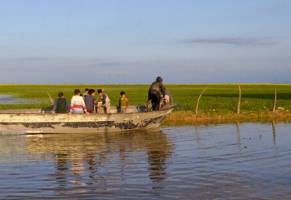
[{"x": 156, "y": 93}]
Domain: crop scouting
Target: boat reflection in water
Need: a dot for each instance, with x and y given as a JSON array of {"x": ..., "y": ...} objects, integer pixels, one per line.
[
  {"x": 233, "y": 161},
  {"x": 103, "y": 161}
]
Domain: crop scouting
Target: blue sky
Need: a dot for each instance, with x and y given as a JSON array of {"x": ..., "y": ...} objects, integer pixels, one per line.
[{"x": 132, "y": 41}]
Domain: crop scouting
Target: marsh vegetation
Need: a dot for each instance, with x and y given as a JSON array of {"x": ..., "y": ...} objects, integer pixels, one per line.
[{"x": 218, "y": 98}]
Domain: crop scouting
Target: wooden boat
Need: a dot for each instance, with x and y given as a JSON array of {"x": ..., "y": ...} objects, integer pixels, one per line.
[{"x": 35, "y": 122}]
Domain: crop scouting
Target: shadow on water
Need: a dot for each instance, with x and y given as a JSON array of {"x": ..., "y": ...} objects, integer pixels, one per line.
[
  {"x": 86, "y": 159},
  {"x": 238, "y": 135}
]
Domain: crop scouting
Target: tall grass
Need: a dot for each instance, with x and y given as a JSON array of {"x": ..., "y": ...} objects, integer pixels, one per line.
[{"x": 219, "y": 98}]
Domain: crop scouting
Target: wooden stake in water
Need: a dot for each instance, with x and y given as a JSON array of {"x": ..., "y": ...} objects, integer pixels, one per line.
[
  {"x": 239, "y": 100},
  {"x": 275, "y": 100},
  {"x": 198, "y": 100},
  {"x": 274, "y": 131}
]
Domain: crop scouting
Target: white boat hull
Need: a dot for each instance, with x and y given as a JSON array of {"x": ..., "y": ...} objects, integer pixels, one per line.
[{"x": 11, "y": 123}]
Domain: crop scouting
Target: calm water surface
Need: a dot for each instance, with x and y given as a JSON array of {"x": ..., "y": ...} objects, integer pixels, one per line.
[
  {"x": 9, "y": 99},
  {"x": 247, "y": 161}
]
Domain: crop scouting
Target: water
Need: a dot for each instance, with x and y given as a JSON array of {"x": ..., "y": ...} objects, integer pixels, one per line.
[
  {"x": 9, "y": 99},
  {"x": 247, "y": 161}
]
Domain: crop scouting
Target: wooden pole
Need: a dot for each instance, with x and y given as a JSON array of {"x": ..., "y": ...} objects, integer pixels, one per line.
[
  {"x": 198, "y": 100},
  {"x": 275, "y": 100},
  {"x": 239, "y": 100},
  {"x": 50, "y": 98}
]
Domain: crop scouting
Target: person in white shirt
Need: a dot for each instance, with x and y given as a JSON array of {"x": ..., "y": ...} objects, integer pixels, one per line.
[{"x": 77, "y": 103}]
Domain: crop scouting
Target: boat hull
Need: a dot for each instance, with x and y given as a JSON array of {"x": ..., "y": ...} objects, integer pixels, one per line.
[{"x": 77, "y": 123}]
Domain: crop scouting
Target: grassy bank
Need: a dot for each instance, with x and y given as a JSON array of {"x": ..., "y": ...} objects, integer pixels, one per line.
[
  {"x": 218, "y": 100},
  {"x": 190, "y": 118}
]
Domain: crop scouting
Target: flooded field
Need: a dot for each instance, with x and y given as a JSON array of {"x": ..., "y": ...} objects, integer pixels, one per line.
[
  {"x": 236, "y": 161},
  {"x": 9, "y": 99}
]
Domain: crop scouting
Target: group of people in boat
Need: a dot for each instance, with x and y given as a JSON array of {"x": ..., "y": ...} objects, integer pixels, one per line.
[{"x": 99, "y": 102}]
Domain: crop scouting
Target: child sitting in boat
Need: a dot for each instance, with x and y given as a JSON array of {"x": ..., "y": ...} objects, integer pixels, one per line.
[
  {"x": 77, "y": 103},
  {"x": 103, "y": 102},
  {"x": 60, "y": 104},
  {"x": 122, "y": 103},
  {"x": 90, "y": 100}
]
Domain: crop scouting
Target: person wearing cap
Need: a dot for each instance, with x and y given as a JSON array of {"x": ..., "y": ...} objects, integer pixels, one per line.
[{"x": 156, "y": 93}]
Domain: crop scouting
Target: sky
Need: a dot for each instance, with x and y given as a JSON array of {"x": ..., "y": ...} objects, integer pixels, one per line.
[{"x": 133, "y": 41}]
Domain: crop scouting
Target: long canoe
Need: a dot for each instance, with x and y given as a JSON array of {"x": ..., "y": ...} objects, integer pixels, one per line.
[{"x": 15, "y": 122}]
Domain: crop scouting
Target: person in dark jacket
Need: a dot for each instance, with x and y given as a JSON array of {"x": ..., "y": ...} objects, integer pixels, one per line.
[
  {"x": 90, "y": 100},
  {"x": 156, "y": 93},
  {"x": 60, "y": 104}
]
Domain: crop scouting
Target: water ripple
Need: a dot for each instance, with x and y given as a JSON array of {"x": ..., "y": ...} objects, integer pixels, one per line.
[{"x": 246, "y": 161}]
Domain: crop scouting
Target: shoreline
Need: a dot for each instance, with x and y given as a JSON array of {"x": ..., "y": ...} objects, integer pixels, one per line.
[{"x": 178, "y": 118}]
